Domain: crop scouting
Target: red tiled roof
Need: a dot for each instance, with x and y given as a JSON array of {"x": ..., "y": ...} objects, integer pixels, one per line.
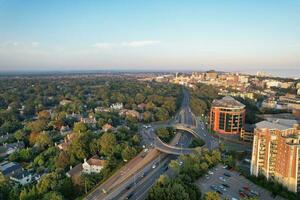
[{"x": 95, "y": 160}]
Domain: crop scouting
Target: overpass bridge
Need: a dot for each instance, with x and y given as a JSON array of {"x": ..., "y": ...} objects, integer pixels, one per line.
[{"x": 169, "y": 149}]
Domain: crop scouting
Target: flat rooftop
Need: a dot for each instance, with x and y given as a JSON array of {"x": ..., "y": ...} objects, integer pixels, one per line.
[{"x": 281, "y": 124}]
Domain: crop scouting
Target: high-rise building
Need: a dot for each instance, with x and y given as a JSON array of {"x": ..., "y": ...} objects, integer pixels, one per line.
[
  {"x": 227, "y": 116},
  {"x": 276, "y": 152},
  {"x": 211, "y": 75}
]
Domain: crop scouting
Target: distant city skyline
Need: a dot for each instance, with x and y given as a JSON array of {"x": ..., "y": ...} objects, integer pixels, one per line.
[{"x": 150, "y": 35}]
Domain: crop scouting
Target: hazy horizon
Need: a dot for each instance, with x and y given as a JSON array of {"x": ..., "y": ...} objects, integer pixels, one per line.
[{"x": 285, "y": 73}]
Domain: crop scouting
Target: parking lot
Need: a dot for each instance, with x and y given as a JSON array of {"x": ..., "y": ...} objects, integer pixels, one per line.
[{"x": 231, "y": 185}]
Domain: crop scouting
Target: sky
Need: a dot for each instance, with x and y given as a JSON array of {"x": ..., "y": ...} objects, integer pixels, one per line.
[{"x": 150, "y": 35}]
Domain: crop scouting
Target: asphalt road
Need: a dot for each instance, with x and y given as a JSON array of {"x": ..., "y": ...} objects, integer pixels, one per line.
[{"x": 142, "y": 185}]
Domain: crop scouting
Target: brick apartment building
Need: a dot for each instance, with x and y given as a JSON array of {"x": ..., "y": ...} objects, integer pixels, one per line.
[{"x": 276, "y": 152}]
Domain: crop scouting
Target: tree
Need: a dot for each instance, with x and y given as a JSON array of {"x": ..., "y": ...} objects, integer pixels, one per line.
[
  {"x": 63, "y": 160},
  {"x": 128, "y": 153},
  {"x": 147, "y": 116},
  {"x": 54, "y": 182},
  {"x": 150, "y": 106},
  {"x": 222, "y": 147},
  {"x": 165, "y": 134},
  {"x": 40, "y": 139},
  {"x": 37, "y": 125},
  {"x": 80, "y": 147},
  {"x": 229, "y": 161},
  {"x": 139, "y": 98},
  {"x": 53, "y": 196},
  {"x": 19, "y": 135},
  {"x": 174, "y": 165},
  {"x": 29, "y": 194},
  {"x": 108, "y": 142},
  {"x": 4, "y": 187},
  {"x": 212, "y": 196},
  {"x": 44, "y": 114},
  {"x": 161, "y": 114},
  {"x": 167, "y": 189},
  {"x": 80, "y": 127}
]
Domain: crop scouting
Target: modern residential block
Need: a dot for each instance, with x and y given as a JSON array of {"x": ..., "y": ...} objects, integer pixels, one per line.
[{"x": 276, "y": 152}]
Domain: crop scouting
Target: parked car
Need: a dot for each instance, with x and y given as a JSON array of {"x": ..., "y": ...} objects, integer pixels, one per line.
[
  {"x": 214, "y": 187},
  {"x": 254, "y": 192},
  {"x": 242, "y": 194},
  {"x": 246, "y": 188},
  {"x": 222, "y": 188},
  {"x": 227, "y": 174},
  {"x": 225, "y": 185}
]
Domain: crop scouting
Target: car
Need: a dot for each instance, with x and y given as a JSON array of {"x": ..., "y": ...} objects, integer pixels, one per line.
[
  {"x": 210, "y": 172},
  {"x": 242, "y": 194},
  {"x": 153, "y": 166},
  {"x": 227, "y": 174},
  {"x": 222, "y": 178},
  {"x": 233, "y": 198},
  {"x": 214, "y": 187},
  {"x": 246, "y": 188},
  {"x": 254, "y": 193},
  {"x": 221, "y": 187},
  {"x": 128, "y": 187},
  {"x": 146, "y": 150},
  {"x": 129, "y": 196},
  {"x": 180, "y": 163},
  {"x": 220, "y": 192},
  {"x": 225, "y": 167},
  {"x": 165, "y": 168},
  {"x": 225, "y": 185}
]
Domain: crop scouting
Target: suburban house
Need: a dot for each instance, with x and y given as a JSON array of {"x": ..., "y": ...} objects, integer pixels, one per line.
[
  {"x": 117, "y": 106},
  {"x": 9, "y": 168},
  {"x": 90, "y": 121},
  {"x": 130, "y": 113},
  {"x": 142, "y": 106},
  {"x": 21, "y": 177},
  {"x": 7, "y": 149},
  {"x": 101, "y": 109},
  {"x": 75, "y": 172},
  {"x": 106, "y": 127},
  {"x": 64, "y": 130},
  {"x": 75, "y": 116},
  {"x": 67, "y": 141},
  {"x": 93, "y": 165},
  {"x": 65, "y": 102}
]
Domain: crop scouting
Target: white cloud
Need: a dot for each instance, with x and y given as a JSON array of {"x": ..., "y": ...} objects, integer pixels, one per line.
[
  {"x": 19, "y": 45},
  {"x": 103, "y": 45},
  {"x": 35, "y": 44},
  {"x": 140, "y": 43}
]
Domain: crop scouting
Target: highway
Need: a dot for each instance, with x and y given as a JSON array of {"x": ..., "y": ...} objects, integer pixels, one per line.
[
  {"x": 134, "y": 172},
  {"x": 142, "y": 185}
]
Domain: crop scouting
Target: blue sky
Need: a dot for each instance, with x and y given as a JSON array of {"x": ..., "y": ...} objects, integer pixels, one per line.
[{"x": 149, "y": 34}]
